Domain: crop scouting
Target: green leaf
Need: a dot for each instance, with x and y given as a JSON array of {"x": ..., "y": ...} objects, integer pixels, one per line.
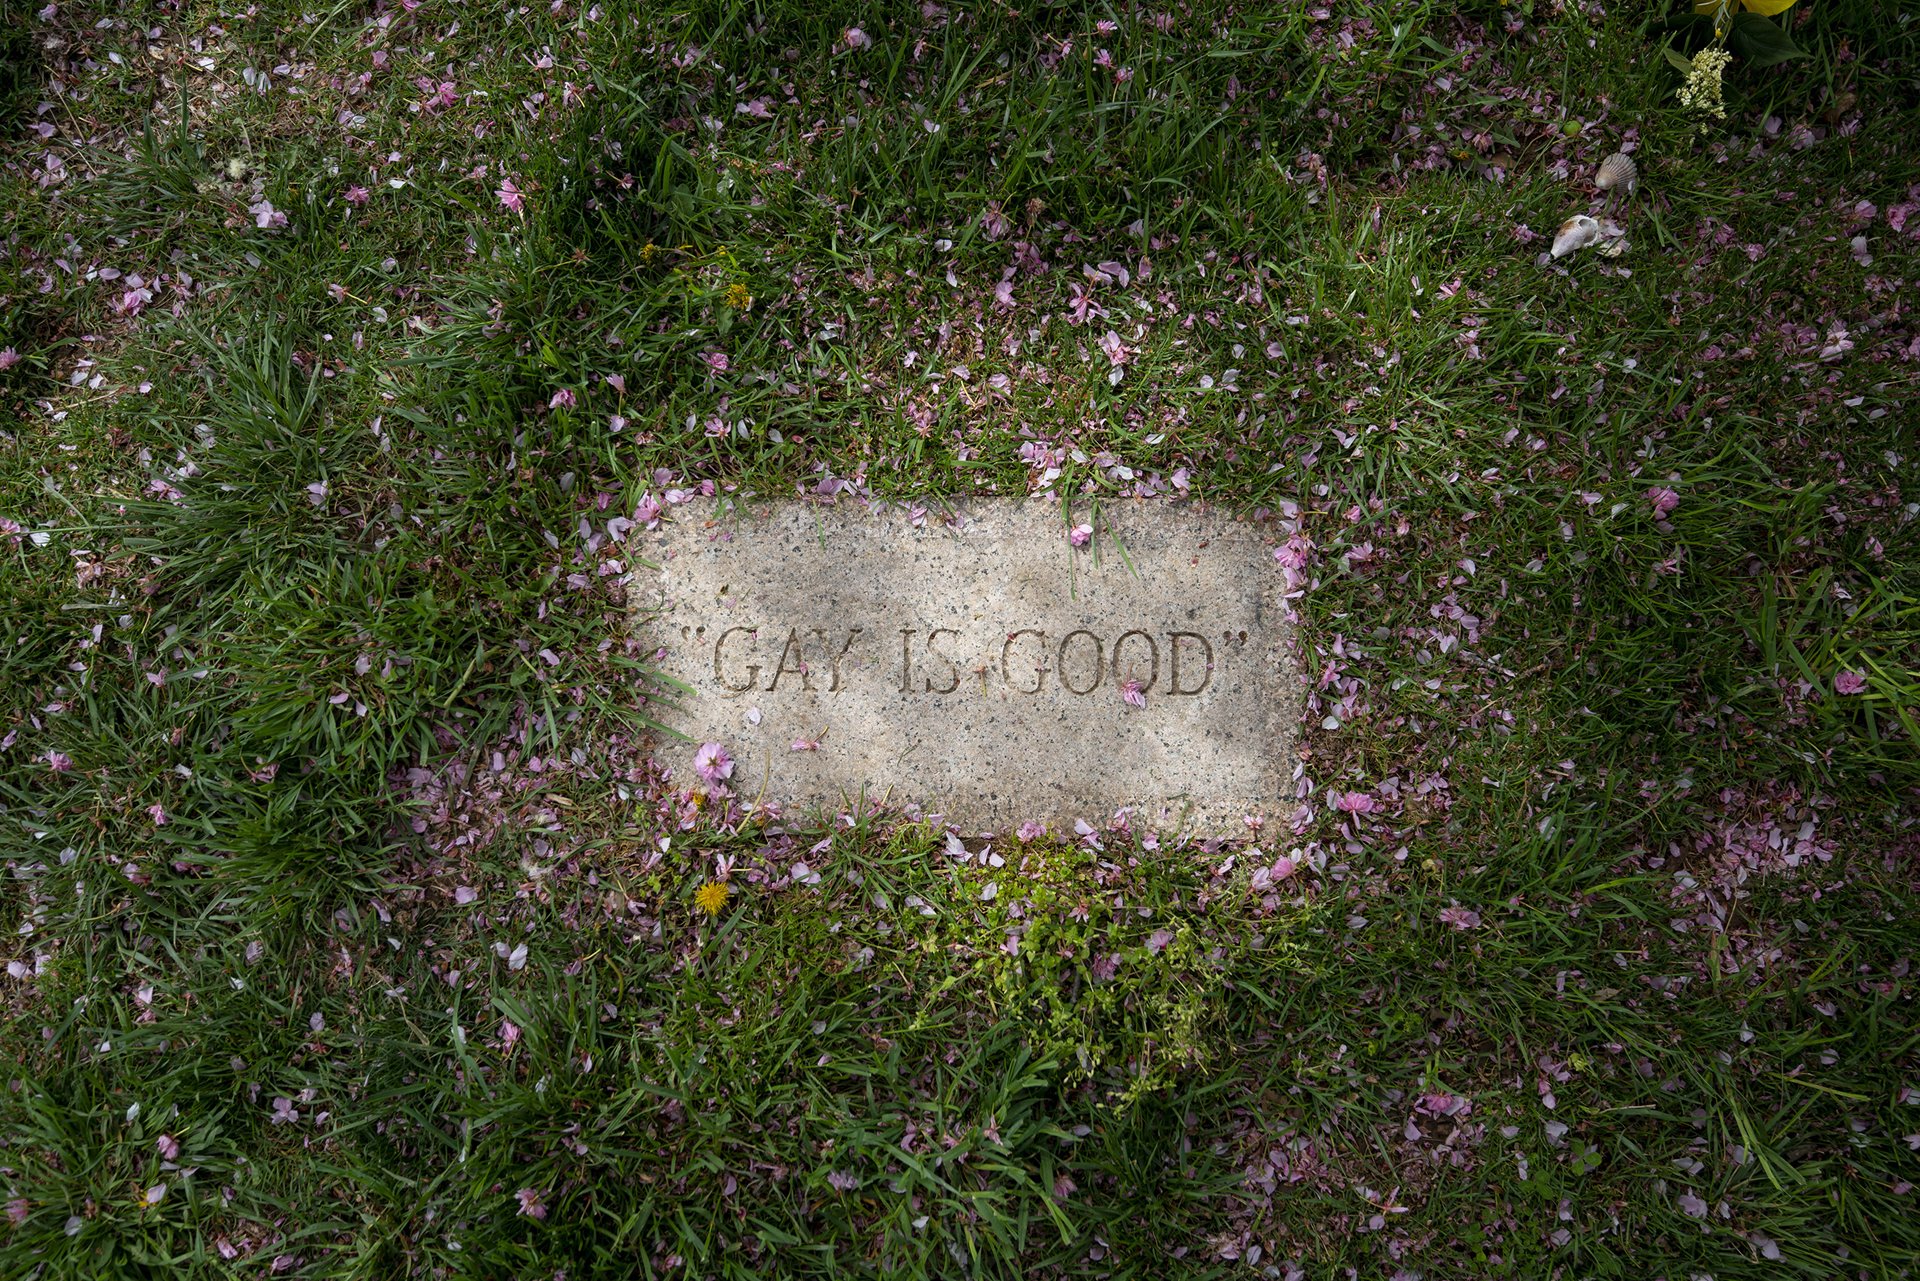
[
  {"x": 1760, "y": 41},
  {"x": 1680, "y": 61}
]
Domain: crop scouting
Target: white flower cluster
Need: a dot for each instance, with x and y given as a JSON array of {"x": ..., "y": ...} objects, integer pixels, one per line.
[{"x": 1701, "y": 92}]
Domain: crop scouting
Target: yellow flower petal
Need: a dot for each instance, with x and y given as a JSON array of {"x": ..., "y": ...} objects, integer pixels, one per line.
[{"x": 1766, "y": 8}]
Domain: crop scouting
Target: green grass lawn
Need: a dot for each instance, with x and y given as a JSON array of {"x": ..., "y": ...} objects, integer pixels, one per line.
[{"x": 352, "y": 933}]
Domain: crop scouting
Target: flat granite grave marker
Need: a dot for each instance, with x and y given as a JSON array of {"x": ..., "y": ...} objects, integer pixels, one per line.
[{"x": 977, "y": 664}]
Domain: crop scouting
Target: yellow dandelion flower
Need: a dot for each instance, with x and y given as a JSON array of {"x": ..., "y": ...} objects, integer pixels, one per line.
[
  {"x": 738, "y": 298},
  {"x": 712, "y": 897},
  {"x": 1723, "y": 8}
]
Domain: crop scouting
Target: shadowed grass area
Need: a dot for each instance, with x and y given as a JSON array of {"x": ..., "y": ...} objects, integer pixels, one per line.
[{"x": 356, "y": 935}]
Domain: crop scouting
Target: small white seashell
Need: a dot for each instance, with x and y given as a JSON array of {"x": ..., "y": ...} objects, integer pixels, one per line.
[
  {"x": 1617, "y": 173},
  {"x": 1575, "y": 233}
]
